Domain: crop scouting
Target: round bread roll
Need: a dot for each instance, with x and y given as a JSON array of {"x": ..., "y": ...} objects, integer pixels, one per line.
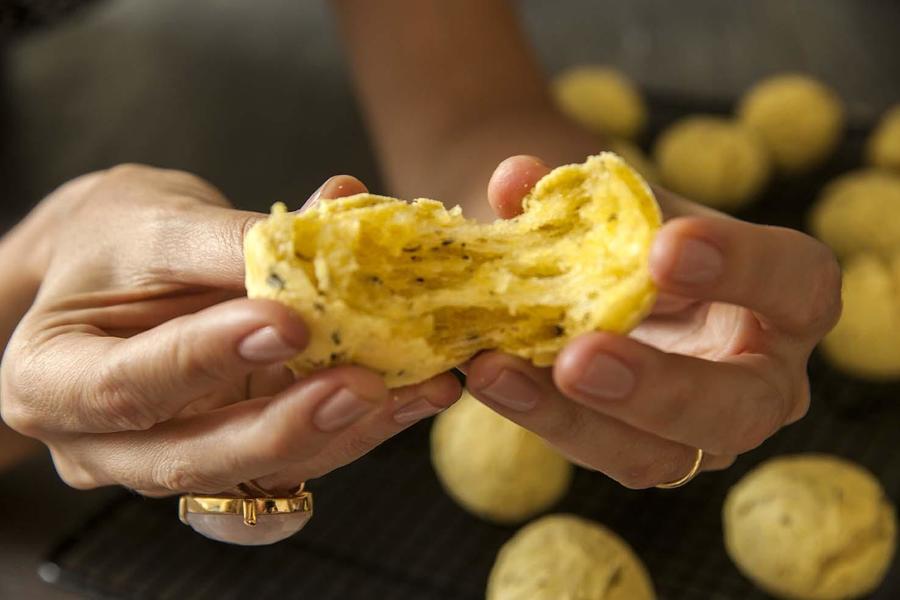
[
  {"x": 883, "y": 147},
  {"x": 799, "y": 119},
  {"x": 601, "y": 99},
  {"x": 635, "y": 157},
  {"x": 564, "y": 557},
  {"x": 859, "y": 212},
  {"x": 712, "y": 160},
  {"x": 866, "y": 340},
  {"x": 810, "y": 527},
  {"x": 493, "y": 467},
  {"x": 411, "y": 289}
]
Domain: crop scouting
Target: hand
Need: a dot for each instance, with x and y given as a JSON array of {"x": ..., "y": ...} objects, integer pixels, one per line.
[
  {"x": 719, "y": 365},
  {"x": 140, "y": 364}
]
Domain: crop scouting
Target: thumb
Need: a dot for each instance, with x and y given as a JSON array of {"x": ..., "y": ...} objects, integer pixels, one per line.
[
  {"x": 214, "y": 254},
  {"x": 512, "y": 180}
]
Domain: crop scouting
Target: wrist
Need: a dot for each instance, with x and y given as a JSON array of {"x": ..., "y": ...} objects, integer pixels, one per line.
[{"x": 460, "y": 172}]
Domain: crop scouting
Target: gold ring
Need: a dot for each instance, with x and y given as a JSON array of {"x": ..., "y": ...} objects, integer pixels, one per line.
[
  {"x": 695, "y": 468},
  {"x": 246, "y": 518}
]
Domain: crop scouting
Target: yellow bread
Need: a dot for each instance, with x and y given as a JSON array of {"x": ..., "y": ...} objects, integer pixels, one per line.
[
  {"x": 883, "y": 147},
  {"x": 493, "y": 467},
  {"x": 564, "y": 557},
  {"x": 799, "y": 119},
  {"x": 810, "y": 527},
  {"x": 602, "y": 100},
  {"x": 859, "y": 212},
  {"x": 712, "y": 160},
  {"x": 866, "y": 340},
  {"x": 412, "y": 289}
]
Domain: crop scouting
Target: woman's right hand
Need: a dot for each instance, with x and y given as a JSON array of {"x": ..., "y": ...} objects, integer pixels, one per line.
[{"x": 141, "y": 364}]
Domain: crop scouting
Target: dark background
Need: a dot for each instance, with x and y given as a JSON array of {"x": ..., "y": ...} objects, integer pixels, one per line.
[{"x": 255, "y": 97}]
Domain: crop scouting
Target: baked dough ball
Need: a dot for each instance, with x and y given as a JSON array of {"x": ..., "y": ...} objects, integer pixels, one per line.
[
  {"x": 859, "y": 212},
  {"x": 634, "y": 156},
  {"x": 883, "y": 148},
  {"x": 412, "y": 289},
  {"x": 564, "y": 557},
  {"x": 493, "y": 467},
  {"x": 712, "y": 160},
  {"x": 810, "y": 527},
  {"x": 866, "y": 340},
  {"x": 799, "y": 119},
  {"x": 601, "y": 99}
]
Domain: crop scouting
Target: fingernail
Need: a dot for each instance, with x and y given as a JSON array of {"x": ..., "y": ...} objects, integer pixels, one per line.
[
  {"x": 415, "y": 411},
  {"x": 311, "y": 201},
  {"x": 605, "y": 377},
  {"x": 697, "y": 262},
  {"x": 266, "y": 346},
  {"x": 339, "y": 410},
  {"x": 512, "y": 390}
]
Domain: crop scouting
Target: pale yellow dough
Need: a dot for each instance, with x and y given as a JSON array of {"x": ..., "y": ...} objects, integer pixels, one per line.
[
  {"x": 799, "y": 119},
  {"x": 601, "y": 99},
  {"x": 810, "y": 527},
  {"x": 412, "y": 289},
  {"x": 883, "y": 148},
  {"x": 859, "y": 212},
  {"x": 564, "y": 557},
  {"x": 493, "y": 467},
  {"x": 712, "y": 160},
  {"x": 866, "y": 340}
]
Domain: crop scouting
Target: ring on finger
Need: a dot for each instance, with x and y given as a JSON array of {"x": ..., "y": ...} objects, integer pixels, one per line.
[
  {"x": 255, "y": 517},
  {"x": 695, "y": 469}
]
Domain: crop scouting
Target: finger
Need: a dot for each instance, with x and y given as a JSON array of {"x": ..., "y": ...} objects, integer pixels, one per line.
[
  {"x": 338, "y": 186},
  {"x": 318, "y": 424},
  {"x": 209, "y": 240},
  {"x": 673, "y": 205},
  {"x": 407, "y": 406},
  {"x": 527, "y": 395},
  {"x": 101, "y": 384},
  {"x": 792, "y": 281},
  {"x": 512, "y": 180},
  {"x": 724, "y": 408}
]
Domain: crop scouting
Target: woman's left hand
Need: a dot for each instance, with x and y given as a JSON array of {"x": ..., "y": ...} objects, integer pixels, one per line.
[{"x": 719, "y": 365}]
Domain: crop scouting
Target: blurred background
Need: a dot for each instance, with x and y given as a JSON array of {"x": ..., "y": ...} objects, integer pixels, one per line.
[{"x": 256, "y": 97}]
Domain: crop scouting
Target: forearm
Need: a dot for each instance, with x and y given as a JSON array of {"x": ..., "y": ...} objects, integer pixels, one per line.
[{"x": 449, "y": 89}]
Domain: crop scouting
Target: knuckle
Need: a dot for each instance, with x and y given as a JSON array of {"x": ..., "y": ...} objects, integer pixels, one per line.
[
  {"x": 824, "y": 307},
  {"x": 176, "y": 476},
  {"x": 800, "y": 401},
  {"x": 193, "y": 365},
  {"x": 283, "y": 442},
  {"x": 116, "y": 404},
  {"x": 72, "y": 474},
  {"x": 359, "y": 445},
  {"x": 767, "y": 416},
  {"x": 20, "y": 417},
  {"x": 564, "y": 424},
  {"x": 17, "y": 382}
]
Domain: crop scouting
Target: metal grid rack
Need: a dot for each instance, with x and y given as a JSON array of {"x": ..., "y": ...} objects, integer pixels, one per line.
[{"x": 384, "y": 529}]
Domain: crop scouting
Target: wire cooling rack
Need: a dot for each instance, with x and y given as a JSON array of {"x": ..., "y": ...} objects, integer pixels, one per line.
[{"x": 384, "y": 529}]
